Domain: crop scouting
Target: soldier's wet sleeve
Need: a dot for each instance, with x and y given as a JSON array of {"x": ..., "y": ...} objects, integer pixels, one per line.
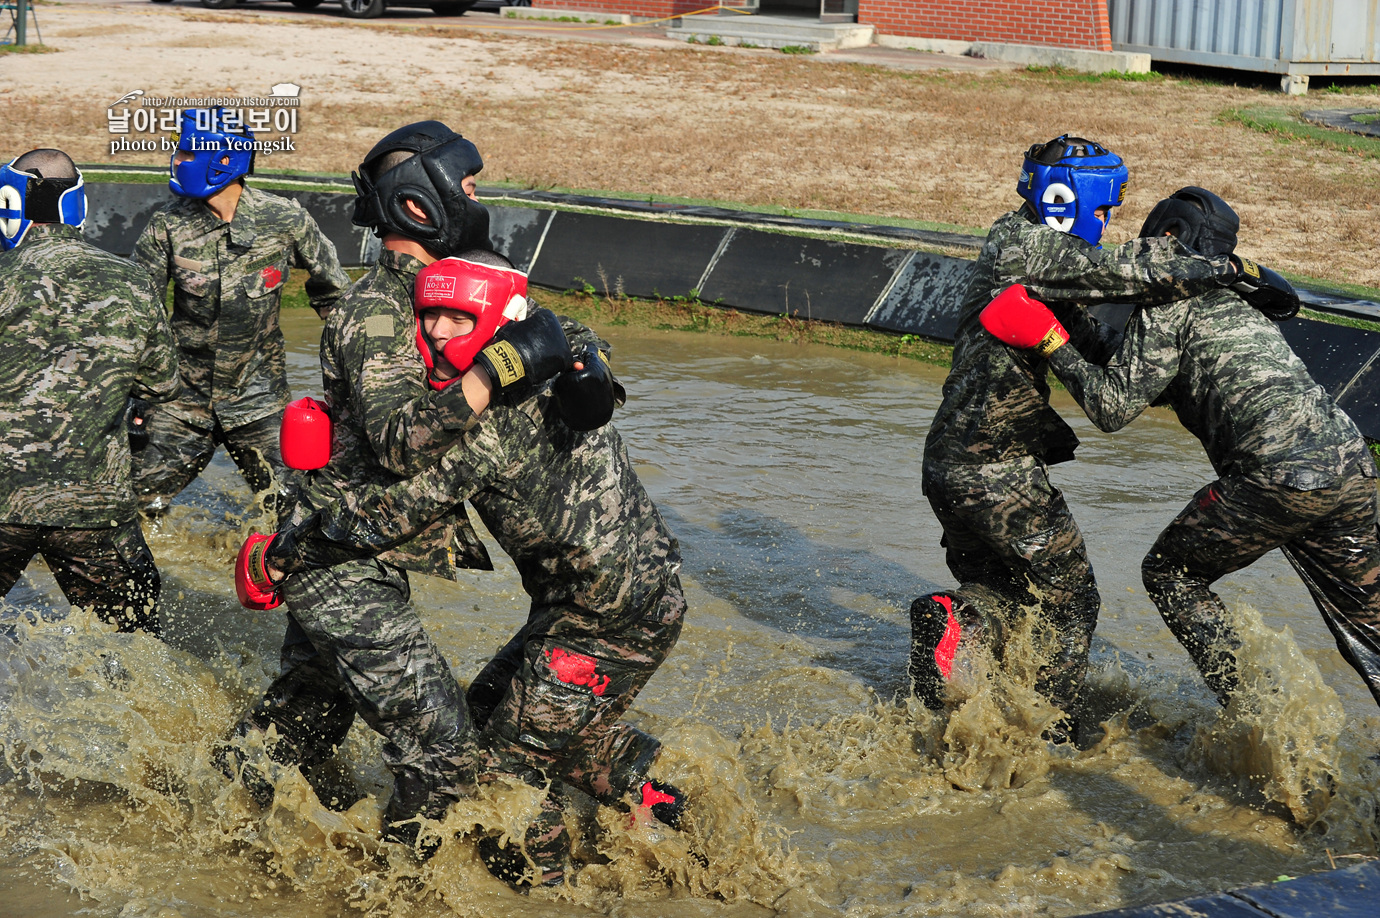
[
  {"x": 1147, "y": 361},
  {"x": 1056, "y": 266},
  {"x": 326, "y": 279},
  {"x": 1095, "y": 340},
  {"x": 158, "y": 379},
  {"x": 154, "y": 252},
  {"x": 580, "y": 335},
  {"x": 372, "y": 519},
  {"x": 408, "y": 425}
]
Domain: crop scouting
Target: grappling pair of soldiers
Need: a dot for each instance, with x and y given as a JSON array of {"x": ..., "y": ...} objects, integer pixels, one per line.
[
  {"x": 1294, "y": 472},
  {"x": 389, "y": 470}
]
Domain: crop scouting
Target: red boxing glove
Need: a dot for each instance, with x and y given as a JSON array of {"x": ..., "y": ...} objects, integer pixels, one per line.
[
  {"x": 1017, "y": 320},
  {"x": 305, "y": 436},
  {"x": 254, "y": 587}
]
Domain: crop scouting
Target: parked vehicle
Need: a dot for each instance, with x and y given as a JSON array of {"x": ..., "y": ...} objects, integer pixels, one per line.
[{"x": 366, "y": 9}]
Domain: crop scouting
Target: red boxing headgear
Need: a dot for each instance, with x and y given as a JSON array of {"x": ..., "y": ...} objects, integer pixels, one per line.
[
  {"x": 492, "y": 296},
  {"x": 305, "y": 437}
]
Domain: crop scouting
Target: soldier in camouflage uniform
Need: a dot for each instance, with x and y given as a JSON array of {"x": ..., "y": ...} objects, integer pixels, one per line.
[
  {"x": 228, "y": 250},
  {"x": 355, "y": 643},
  {"x": 81, "y": 331},
  {"x": 1010, "y": 539},
  {"x": 1293, "y": 471},
  {"x": 600, "y": 566}
]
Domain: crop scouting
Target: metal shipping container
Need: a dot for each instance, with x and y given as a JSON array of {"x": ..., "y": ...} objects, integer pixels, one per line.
[{"x": 1295, "y": 38}]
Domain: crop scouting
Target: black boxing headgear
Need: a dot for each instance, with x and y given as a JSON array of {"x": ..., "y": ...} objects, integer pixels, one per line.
[
  {"x": 1197, "y": 218},
  {"x": 432, "y": 179}
]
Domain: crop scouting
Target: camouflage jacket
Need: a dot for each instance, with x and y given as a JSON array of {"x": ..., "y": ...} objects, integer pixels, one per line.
[
  {"x": 388, "y": 424},
  {"x": 567, "y": 507},
  {"x": 996, "y": 398},
  {"x": 81, "y": 331},
  {"x": 227, "y": 281},
  {"x": 1228, "y": 373}
]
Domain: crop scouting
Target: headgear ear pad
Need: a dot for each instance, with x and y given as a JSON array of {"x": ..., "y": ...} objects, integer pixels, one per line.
[{"x": 1197, "y": 218}]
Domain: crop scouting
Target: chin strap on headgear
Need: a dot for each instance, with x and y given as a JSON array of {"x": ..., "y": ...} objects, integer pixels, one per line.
[
  {"x": 27, "y": 198},
  {"x": 492, "y": 296},
  {"x": 1068, "y": 179},
  {"x": 208, "y": 136},
  {"x": 432, "y": 179},
  {"x": 1197, "y": 218}
]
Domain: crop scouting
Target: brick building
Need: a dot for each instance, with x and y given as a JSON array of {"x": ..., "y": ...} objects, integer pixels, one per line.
[{"x": 1077, "y": 24}]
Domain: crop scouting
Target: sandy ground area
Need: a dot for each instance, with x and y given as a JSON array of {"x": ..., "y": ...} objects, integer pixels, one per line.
[{"x": 878, "y": 132}]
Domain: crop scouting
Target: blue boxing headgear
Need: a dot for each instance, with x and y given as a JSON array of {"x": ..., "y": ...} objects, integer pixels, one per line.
[
  {"x": 1068, "y": 179},
  {"x": 206, "y": 136},
  {"x": 27, "y": 198}
]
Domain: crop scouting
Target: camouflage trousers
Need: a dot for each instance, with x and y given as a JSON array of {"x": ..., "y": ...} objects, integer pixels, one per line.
[
  {"x": 1012, "y": 544},
  {"x": 109, "y": 570},
  {"x": 177, "y": 452},
  {"x": 550, "y": 705},
  {"x": 355, "y": 645},
  {"x": 1329, "y": 536}
]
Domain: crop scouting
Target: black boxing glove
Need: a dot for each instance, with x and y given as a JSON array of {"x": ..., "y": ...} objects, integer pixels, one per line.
[
  {"x": 523, "y": 355},
  {"x": 137, "y": 413},
  {"x": 586, "y": 398},
  {"x": 1264, "y": 289}
]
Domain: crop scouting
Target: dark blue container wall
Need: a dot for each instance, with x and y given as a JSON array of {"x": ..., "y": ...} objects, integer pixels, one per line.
[
  {"x": 743, "y": 267},
  {"x": 517, "y": 232},
  {"x": 925, "y": 296},
  {"x": 615, "y": 255},
  {"x": 800, "y": 276},
  {"x": 1350, "y": 892}
]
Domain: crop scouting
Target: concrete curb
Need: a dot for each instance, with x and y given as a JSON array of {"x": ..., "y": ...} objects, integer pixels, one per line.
[{"x": 1031, "y": 55}]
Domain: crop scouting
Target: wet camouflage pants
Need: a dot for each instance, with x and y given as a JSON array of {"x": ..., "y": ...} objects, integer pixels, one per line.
[
  {"x": 109, "y": 570},
  {"x": 550, "y": 705},
  {"x": 355, "y": 645},
  {"x": 178, "y": 452},
  {"x": 1011, "y": 542},
  {"x": 1329, "y": 536}
]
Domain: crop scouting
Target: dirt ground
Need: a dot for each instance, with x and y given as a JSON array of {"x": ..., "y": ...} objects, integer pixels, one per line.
[{"x": 936, "y": 138}]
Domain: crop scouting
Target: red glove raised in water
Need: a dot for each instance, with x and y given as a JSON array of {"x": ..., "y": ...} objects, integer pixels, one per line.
[
  {"x": 1016, "y": 319},
  {"x": 255, "y": 588}
]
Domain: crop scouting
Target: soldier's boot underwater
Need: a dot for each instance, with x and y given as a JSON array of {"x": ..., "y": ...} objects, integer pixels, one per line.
[
  {"x": 633, "y": 788},
  {"x": 935, "y": 632},
  {"x": 239, "y": 765},
  {"x": 664, "y": 801},
  {"x": 542, "y": 858}
]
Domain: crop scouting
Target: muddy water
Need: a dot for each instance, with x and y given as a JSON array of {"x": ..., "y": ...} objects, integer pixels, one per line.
[{"x": 790, "y": 475}]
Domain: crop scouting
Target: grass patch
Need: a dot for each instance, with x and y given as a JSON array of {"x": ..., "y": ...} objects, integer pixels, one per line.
[
  {"x": 1080, "y": 76},
  {"x": 495, "y": 191},
  {"x": 690, "y": 315},
  {"x": 89, "y": 175},
  {"x": 1345, "y": 321},
  {"x": 797, "y": 49},
  {"x": 1342, "y": 87},
  {"x": 156, "y": 176},
  {"x": 1285, "y": 125},
  {"x": 512, "y": 15},
  {"x": 27, "y": 49}
]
